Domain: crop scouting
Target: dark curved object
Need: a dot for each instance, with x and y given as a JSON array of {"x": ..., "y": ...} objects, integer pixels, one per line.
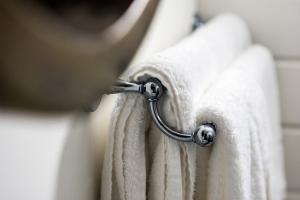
[
  {"x": 49, "y": 62},
  {"x": 152, "y": 90}
]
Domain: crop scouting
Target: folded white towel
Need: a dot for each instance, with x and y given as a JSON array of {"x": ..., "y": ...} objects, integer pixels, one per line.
[
  {"x": 246, "y": 161},
  {"x": 141, "y": 162}
]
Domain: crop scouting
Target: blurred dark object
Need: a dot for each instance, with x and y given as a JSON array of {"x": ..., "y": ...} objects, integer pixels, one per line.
[
  {"x": 65, "y": 54},
  {"x": 85, "y": 14}
]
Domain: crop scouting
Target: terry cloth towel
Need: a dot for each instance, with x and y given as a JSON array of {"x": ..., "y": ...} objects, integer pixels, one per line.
[
  {"x": 140, "y": 162},
  {"x": 246, "y": 162}
]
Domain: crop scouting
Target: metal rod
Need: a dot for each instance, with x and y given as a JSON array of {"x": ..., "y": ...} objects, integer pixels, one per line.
[
  {"x": 152, "y": 90},
  {"x": 165, "y": 128}
]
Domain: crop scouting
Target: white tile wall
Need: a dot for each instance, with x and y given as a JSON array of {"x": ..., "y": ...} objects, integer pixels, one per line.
[
  {"x": 293, "y": 196},
  {"x": 289, "y": 84},
  {"x": 291, "y": 139},
  {"x": 274, "y": 23}
]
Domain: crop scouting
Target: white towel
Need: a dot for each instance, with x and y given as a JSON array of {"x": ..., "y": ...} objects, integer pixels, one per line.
[
  {"x": 246, "y": 161},
  {"x": 140, "y": 162}
]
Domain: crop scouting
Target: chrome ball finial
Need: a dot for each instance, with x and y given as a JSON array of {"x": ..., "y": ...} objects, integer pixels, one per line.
[
  {"x": 205, "y": 135},
  {"x": 153, "y": 89}
]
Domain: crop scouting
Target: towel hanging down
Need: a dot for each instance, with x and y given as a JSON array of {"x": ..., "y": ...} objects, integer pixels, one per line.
[{"x": 215, "y": 77}]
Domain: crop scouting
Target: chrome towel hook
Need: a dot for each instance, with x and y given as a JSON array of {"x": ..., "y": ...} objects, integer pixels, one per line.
[{"x": 152, "y": 90}]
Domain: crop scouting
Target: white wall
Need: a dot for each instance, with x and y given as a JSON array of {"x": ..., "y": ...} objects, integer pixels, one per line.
[{"x": 45, "y": 156}]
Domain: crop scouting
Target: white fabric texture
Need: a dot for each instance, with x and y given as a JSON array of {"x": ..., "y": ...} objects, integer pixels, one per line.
[
  {"x": 142, "y": 163},
  {"x": 247, "y": 159}
]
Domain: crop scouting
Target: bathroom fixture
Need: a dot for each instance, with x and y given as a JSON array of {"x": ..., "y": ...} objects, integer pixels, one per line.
[{"x": 152, "y": 89}]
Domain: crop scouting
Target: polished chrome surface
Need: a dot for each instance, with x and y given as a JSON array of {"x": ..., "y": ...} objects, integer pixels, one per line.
[
  {"x": 165, "y": 128},
  {"x": 123, "y": 87},
  {"x": 205, "y": 134},
  {"x": 152, "y": 90}
]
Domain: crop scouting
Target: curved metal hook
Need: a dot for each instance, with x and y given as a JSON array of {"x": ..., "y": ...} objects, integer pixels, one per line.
[
  {"x": 152, "y": 90},
  {"x": 165, "y": 128}
]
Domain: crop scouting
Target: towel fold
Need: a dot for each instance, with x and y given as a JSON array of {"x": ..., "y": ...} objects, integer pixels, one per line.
[
  {"x": 142, "y": 163},
  {"x": 246, "y": 161}
]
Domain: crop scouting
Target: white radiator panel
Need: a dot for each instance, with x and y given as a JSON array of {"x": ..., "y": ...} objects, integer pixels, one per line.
[
  {"x": 291, "y": 139},
  {"x": 293, "y": 196},
  {"x": 289, "y": 84}
]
